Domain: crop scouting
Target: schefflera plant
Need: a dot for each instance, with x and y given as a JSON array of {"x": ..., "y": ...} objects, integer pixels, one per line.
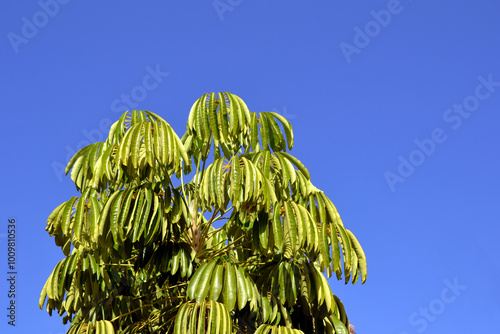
[{"x": 219, "y": 231}]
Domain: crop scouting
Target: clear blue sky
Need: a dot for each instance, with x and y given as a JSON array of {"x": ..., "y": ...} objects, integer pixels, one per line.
[{"x": 395, "y": 107}]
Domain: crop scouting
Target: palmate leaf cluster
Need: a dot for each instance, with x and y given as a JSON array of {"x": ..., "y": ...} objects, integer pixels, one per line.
[{"x": 219, "y": 231}]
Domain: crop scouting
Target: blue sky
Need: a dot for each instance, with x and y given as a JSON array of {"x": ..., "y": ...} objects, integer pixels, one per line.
[{"x": 394, "y": 105}]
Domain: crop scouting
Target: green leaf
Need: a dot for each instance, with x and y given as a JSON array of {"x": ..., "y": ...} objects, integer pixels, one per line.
[
  {"x": 181, "y": 149},
  {"x": 124, "y": 214},
  {"x": 321, "y": 209},
  {"x": 73, "y": 160},
  {"x": 219, "y": 184},
  {"x": 278, "y": 142},
  {"x": 180, "y": 320},
  {"x": 291, "y": 225},
  {"x": 148, "y": 144},
  {"x": 174, "y": 261},
  {"x": 64, "y": 272},
  {"x": 216, "y": 284},
  {"x": 297, "y": 164},
  {"x": 158, "y": 142},
  {"x": 125, "y": 146},
  {"x": 235, "y": 179},
  {"x": 148, "y": 197},
  {"x": 165, "y": 144},
  {"x": 300, "y": 224},
  {"x": 325, "y": 248},
  {"x": 249, "y": 179},
  {"x": 199, "y": 117},
  {"x": 286, "y": 171},
  {"x": 245, "y": 112},
  {"x": 264, "y": 131},
  {"x": 229, "y": 289},
  {"x": 80, "y": 213},
  {"x": 136, "y": 224},
  {"x": 277, "y": 228},
  {"x": 203, "y": 284},
  {"x": 201, "y": 319},
  {"x": 346, "y": 250},
  {"x": 115, "y": 211},
  {"x": 204, "y": 119},
  {"x": 254, "y": 132},
  {"x": 222, "y": 116},
  {"x": 135, "y": 144},
  {"x": 263, "y": 233},
  {"x": 66, "y": 212},
  {"x": 242, "y": 288},
  {"x": 282, "y": 282},
  {"x": 191, "y": 125},
  {"x": 193, "y": 283},
  {"x": 235, "y": 114},
  {"x": 212, "y": 115},
  {"x": 287, "y": 127},
  {"x": 155, "y": 221},
  {"x": 339, "y": 326},
  {"x": 360, "y": 255}
]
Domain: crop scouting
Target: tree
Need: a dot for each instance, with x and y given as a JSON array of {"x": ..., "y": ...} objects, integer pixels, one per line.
[{"x": 220, "y": 231}]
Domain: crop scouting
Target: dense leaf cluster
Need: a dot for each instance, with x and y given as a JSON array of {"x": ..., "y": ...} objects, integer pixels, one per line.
[{"x": 220, "y": 231}]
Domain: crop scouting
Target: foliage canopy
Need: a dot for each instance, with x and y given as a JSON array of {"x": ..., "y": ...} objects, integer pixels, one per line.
[{"x": 220, "y": 231}]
